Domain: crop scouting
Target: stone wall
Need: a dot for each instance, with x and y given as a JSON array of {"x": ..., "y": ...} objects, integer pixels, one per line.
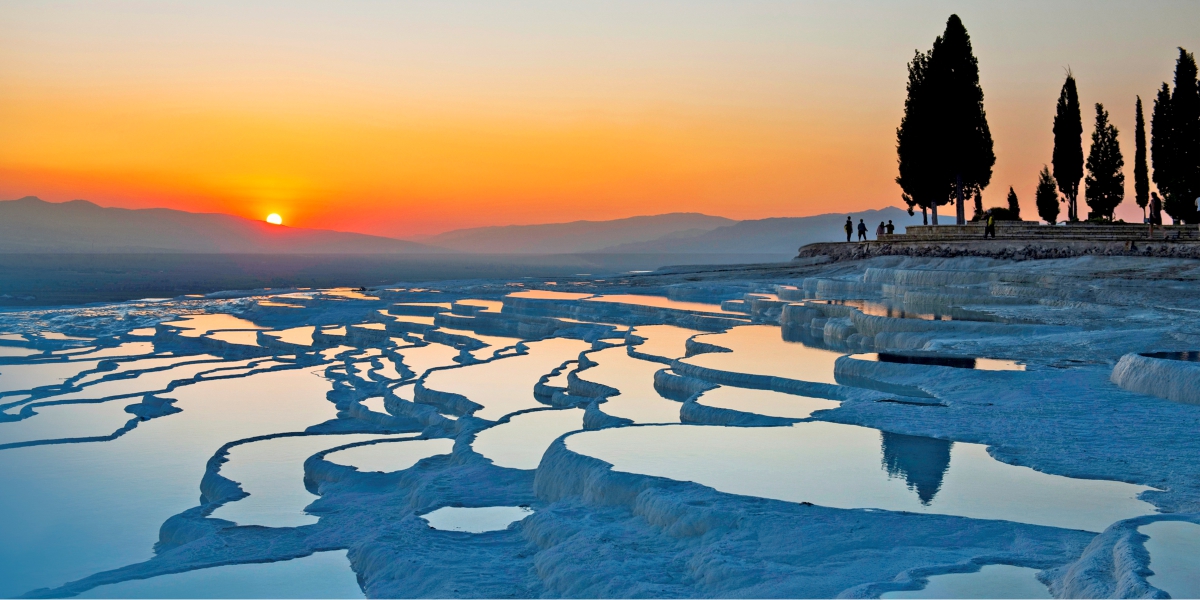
[{"x": 1011, "y": 249}]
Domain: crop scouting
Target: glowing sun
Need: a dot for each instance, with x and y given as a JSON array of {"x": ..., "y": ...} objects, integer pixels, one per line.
[{"x": 275, "y": 219}]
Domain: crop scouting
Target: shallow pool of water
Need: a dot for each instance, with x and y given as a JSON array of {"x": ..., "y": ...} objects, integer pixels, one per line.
[
  {"x": 521, "y": 442},
  {"x": 663, "y": 302},
  {"x": 638, "y": 401},
  {"x": 301, "y": 336},
  {"x": 765, "y": 402},
  {"x": 237, "y": 338},
  {"x": 665, "y": 341},
  {"x": 422, "y": 358},
  {"x": 29, "y": 376},
  {"x": 505, "y": 385},
  {"x": 1174, "y": 548},
  {"x": 761, "y": 350},
  {"x": 385, "y": 457},
  {"x": 272, "y": 472},
  {"x": 319, "y": 575},
  {"x": 991, "y": 581},
  {"x": 198, "y": 325},
  {"x": 476, "y": 519},
  {"x": 845, "y": 466},
  {"x": 549, "y": 295},
  {"x": 97, "y": 506},
  {"x": 16, "y": 352}
]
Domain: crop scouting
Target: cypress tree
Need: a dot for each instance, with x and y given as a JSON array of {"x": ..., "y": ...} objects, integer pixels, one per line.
[
  {"x": 1175, "y": 141},
  {"x": 1162, "y": 151},
  {"x": 965, "y": 150},
  {"x": 1068, "y": 146},
  {"x": 978, "y": 205},
  {"x": 1141, "y": 177},
  {"x": 1185, "y": 137},
  {"x": 916, "y": 142},
  {"x": 1014, "y": 207},
  {"x": 1105, "y": 179},
  {"x": 1047, "y": 197}
]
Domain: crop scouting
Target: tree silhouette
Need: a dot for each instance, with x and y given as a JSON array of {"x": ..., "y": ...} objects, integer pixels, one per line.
[
  {"x": 1047, "y": 197},
  {"x": 1105, "y": 179},
  {"x": 1162, "y": 151},
  {"x": 965, "y": 149},
  {"x": 1141, "y": 179},
  {"x": 1014, "y": 207},
  {"x": 1175, "y": 141},
  {"x": 1068, "y": 146},
  {"x": 916, "y": 144}
]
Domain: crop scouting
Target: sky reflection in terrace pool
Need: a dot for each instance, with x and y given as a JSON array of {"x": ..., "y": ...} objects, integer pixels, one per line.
[
  {"x": 764, "y": 402},
  {"x": 662, "y": 302},
  {"x": 91, "y": 507},
  {"x": 665, "y": 341},
  {"x": 521, "y": 442},
  {"x": 389, "y": 456},
  {"x": 846, "y": 466},
  {"x": 638, "y": 401},
  {"x": 505, "y": 385},
  {"x": 272, "y": 472},
  {"x": 198, "y": 325},
  {"x": 761, "y": 350},
  {"x": 319, "y": 575},
  {"x": 992, "y": 581},
  {"x": 549, "y": 295},
  {"x": 476, "y": 519}
]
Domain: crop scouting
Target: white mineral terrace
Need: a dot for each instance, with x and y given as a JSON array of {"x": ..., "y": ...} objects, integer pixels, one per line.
[{"x": 895, "y": 427}]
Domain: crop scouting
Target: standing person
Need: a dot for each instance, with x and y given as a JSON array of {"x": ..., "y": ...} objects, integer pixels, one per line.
[
  {"x": 1155, "y": 212},
  {"x": 862, "y": 231},
  {"x": 990, "y": 227},
  {"x": 849, "y": 227},
  {"x": 890, "y": 228},
  {"x": 879, "y": 230}
]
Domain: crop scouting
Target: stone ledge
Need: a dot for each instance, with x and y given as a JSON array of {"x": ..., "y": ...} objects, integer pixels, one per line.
[{"x": 1010, "y": 249}]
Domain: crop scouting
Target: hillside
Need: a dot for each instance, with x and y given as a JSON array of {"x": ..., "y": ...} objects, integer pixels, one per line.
[
  {"x": 782, "y": 235},
  {"x": 577, "y": 236},
  {"x": 31, "y": 225}
]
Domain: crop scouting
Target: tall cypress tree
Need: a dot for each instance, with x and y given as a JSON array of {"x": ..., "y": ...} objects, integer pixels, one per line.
[
  {"x": 916, "y": 142},
  {"x": 1185, "y": 137},
  {"x": 1068, "y": 146},
  {"x": 965, "y": 150},
  {"x": 1162, "y": 151},
  {"x": 1014, "y": 206},
  {"x": 1105, "y": 179},
  {"x": 1047, "y": 197},
  {"x": 1141, "y": 179},
  {"x": 1175, "y": 141}
]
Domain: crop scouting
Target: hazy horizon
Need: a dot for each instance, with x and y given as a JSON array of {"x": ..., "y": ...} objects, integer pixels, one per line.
[{"x": 407, "y": 120}]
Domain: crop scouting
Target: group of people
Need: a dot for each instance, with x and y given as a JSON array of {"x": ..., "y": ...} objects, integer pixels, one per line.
[{"x": 862, "y": 229}]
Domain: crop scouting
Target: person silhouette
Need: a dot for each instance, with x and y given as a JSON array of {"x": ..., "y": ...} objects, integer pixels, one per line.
[
  {"x": 849, "y": 227},
  {"x": 862, "y": 231},
  {"x": 879, "y": 230},
  {"x": 890, "y": 228}
]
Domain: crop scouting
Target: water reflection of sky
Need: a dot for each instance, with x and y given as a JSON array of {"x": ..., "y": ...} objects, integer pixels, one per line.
[{"x": 846, "y": 466}]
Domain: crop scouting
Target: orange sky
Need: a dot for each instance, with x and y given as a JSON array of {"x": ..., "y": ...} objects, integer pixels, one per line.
[{"x": 415, "y": 118}]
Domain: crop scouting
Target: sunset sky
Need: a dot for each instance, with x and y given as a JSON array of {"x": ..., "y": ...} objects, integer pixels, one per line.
[{"x": 412, "y": 118}]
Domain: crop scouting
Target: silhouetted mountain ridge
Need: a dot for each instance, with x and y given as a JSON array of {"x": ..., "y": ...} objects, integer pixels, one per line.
[
  {"x": 32, "y": 225},
  {"x": 783, "y": 235}
]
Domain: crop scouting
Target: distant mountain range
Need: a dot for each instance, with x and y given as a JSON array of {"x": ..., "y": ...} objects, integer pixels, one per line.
[
  {"x": 577, "y": 236},
  {"x": 782, "y": 235},
  {"x": 30, "y": 225}
]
